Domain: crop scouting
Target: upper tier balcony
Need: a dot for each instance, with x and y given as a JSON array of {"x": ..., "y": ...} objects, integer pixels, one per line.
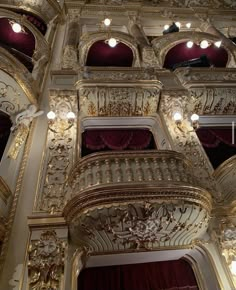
[{"x": 136, "y": 199}]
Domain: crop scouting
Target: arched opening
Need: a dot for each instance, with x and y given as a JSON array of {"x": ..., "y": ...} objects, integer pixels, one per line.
[
  {"x": 180, "y": 55},
  {"x": 21, "y": 45},
  {"x": 166, "y": 275},
  {"x": 101, "y": 54},
  {"x": 5, "y": 125}
]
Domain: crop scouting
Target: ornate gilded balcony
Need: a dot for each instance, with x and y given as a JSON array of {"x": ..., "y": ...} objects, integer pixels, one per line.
[{"x": 134, "y": 200}]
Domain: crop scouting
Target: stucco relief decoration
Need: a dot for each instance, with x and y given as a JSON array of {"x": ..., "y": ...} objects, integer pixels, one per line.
[
  {"x": 186, "y": 140},
  {"x": 60, "y": 154},
  {"x": 197, "y": 3},
  {"x": 214, "y": 100},
  {"x": 9, "y": 98},
  {"x": 141, "y": 226},
  {"x": 20, "y": 129},
  {"x": 69, "y": 57},
  {"x": 46, "y": 262},
  {"x": 103, "y": 101}
]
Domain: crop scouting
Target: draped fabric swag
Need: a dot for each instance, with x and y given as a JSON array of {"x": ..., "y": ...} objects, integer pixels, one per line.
[
  {"x": 97, "y": 140},
  {"x": 166, "y": 275},
  {"x": 211, "y": 138},
  {"x": 217, "y": 143}
]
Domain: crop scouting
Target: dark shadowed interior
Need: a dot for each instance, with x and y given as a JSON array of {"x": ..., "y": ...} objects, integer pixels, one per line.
[{"x": 101, "y": 54}]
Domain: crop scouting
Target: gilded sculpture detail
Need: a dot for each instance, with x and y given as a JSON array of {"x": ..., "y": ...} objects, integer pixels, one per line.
[
  {"x": 20, "y": 129},
  {"x": 46, "y": 262}
]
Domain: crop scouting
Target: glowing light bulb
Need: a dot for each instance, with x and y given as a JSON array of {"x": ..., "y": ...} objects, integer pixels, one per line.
[
  {"x": 112, "y": 42},
  {"x": 189, "y": 44},
  {"x": 194, "y": 117},
  {"x": 188, "y": 25},
  {"x": 178, "y": 24},
  {"x": 177, "y": 117},
  {"x": 70, "y": 115},
  {"x": 51, "y": 115},
  {"x": 204, "y": 44},
  {"x": 107, "y": 21},
  {"x": 16, "y": 27},
  {"x": 166, "y": 27},
  {"x": 218, "y": 43}
]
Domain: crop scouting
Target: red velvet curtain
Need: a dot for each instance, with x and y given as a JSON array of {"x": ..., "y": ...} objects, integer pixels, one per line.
[
  {"x": 211, "y": 138},
  {"x": 116, "y": 139},
  {"x": 167, "y": 275}
]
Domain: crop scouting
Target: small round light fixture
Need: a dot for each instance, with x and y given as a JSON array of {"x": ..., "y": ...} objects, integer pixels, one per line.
[
  {"x": 189, "y": 44},
  {"x": 107, "y": 21},
  {"x": 188, "y": 25},
  {"x": 204, "y": 44},
  {"x": 51, "y": 115},
  {"x": 16, "y": 27},
  {"x": 166, "y": 27},
  {"x": 112, "y": 42},
  {"x": 194, "y": 117},
  {"x": 70, "y": 115},
  {"x": 177, "y": 117},
  {"x": 218, "y": 43},
  {"x": 178, "y": 24}
]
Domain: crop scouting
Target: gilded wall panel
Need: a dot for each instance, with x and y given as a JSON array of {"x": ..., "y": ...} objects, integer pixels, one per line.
[{"x": 60, "y": 153}]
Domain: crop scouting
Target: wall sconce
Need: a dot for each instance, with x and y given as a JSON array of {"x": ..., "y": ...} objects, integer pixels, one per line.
[
  {"x": 178, "y": 118},
  {"x": 195, "y": 121},
  {"x": 107, "y": 21},
  {"x": 17, "y": 27},
  {"x": 59, "y": 124}
]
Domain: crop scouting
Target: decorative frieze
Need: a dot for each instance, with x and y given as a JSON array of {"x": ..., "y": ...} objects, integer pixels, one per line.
[
  {"x": 118, "y": 101},
  {"x": 198, "y": 77},
  {"x": 212, "y": 101}
]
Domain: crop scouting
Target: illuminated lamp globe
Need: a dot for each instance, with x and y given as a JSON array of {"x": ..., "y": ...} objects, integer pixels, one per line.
[
  {"x": 218, "y": 43},
  {"x": 112, "y": 42},
  {"x": 178, "y": 24},
  {"x": 70, "y": 115},
  {"x": 166, "y": 27},
  {"x": 107, "y": 21},
  {"x": 51, "y": 115},
  {"x": 16, "y": 27},
  {"x": 194, "y": 117},
  {"x": 204, "y": 44},
  {"x": 177, "y": 117},
  {"x": 189, "y": 44},
  {"x": 188, "y": 25}
]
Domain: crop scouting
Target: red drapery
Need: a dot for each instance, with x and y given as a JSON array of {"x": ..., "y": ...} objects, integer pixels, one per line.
[
  {"x": 116, "y": 139},
  {"x": 166, "y": 275},
  {"x": 211, "y": 138}
]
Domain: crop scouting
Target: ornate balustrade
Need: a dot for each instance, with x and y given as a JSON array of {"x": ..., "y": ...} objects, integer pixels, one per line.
[{"x": 140, "y": 199}]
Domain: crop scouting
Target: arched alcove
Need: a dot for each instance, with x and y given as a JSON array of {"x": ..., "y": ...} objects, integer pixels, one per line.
[
  {"x": 217, "y": 56},
  {"x": 101, "y": 54},
  {"x": 5, "y": 125},
  {"x": 21, "y": 45}
]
